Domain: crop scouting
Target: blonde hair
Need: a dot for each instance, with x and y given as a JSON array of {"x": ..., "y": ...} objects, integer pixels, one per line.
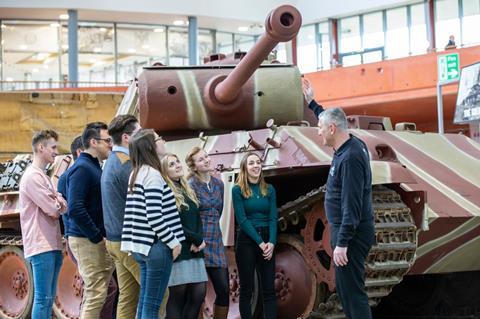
[
  {"x": 178, "y": 193},
  {"x": 191, "y": 162},
  {"x": 242, "y": 179}
]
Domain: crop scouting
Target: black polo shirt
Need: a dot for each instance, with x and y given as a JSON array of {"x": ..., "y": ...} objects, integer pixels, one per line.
[{"x": 348, "y": 201}]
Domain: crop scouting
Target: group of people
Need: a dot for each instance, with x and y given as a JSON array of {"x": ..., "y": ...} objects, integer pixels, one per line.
[
  {"x": 159, "y": 229},
  {"x": 142, "y": 216}
]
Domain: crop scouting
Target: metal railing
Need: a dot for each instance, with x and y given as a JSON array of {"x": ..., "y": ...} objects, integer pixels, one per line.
[{"x": 45, "y": 85}]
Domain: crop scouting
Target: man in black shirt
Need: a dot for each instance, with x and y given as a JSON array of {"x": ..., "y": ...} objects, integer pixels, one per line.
[{"x": 348, "y": 205}]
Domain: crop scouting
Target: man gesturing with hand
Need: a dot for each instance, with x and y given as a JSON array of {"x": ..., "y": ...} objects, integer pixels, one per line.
[{"x": 348, "y": 205}]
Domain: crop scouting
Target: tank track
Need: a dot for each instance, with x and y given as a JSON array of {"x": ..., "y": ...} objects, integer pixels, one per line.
[
  {"x": 10, "y": 239},
  {"x": 388, "y": 261}
]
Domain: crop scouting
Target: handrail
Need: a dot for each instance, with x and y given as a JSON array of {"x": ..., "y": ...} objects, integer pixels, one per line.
[{"x": 38, "y": 85}]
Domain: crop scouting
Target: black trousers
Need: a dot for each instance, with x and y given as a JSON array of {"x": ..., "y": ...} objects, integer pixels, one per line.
[
  {"x": 350, "y": 279},
  {"x": 250, "y": 257}
]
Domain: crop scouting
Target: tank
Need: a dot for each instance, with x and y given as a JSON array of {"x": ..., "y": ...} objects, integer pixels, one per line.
[
  {"x": 425, "y": 187},
  {"x": 425, "y": 192}
]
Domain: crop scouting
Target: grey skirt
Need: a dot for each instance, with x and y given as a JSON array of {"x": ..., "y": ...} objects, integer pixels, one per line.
[{"x": 187, "y": 272}]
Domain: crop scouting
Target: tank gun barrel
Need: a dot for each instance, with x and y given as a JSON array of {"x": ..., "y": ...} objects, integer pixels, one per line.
[{"x": 282, "y": 24}]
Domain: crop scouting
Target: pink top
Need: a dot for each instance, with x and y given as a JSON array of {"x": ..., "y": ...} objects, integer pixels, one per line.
[{"x": 40, "y": 209}]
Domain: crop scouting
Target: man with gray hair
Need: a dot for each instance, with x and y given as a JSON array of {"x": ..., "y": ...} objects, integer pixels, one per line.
[{"x": 348, "y": 205}]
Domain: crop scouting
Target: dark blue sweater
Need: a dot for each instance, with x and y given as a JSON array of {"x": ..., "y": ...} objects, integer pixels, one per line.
[
  {"x": 348, "y": 201},
  {"x": 85, "y": 199},
  {"x": 62, "y": 189}
]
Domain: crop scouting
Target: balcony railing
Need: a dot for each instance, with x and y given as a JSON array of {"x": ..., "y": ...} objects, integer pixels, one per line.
[{"x": 46, "y": 85}]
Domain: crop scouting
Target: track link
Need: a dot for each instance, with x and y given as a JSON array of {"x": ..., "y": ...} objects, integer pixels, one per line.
[{"x": 389, "y": 259}]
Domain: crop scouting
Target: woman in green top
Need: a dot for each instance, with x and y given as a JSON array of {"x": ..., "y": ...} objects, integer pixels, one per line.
[
  {"x": 256, "y": 213},
  {"x": 188, "y": 280}
]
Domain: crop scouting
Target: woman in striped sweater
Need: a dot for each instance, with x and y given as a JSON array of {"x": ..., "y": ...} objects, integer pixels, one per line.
[{"x": 152, "y": 230}]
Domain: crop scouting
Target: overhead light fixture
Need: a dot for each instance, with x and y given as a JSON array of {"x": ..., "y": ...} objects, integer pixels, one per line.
[
  {"x": 23, "y": 47},
  {"x": 34, "y": 70},
  {"x": 243, "y": 29},
  {"x": 63, "y": 16},
  {"x": 132, "y": 50},
  {"x": 145, "y": 46},
  {"x": 96, "y": 50},
  {"x": 55, "y": 25},
  {"x": 103, "y": 29},
  {"x": 9, "y": 79},
  {"x": 4, "y": 26},
  {"x": 178, "y": 22},
  {"x": 158, "y": 30},
  {"x": 65, "y": 46}
]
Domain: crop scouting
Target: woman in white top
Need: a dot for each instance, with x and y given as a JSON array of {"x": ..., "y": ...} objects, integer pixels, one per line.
[{"x": 152, "y": 230}]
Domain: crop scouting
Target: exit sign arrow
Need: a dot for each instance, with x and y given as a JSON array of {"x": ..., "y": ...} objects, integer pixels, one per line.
[{"x": 448, "y": 67}]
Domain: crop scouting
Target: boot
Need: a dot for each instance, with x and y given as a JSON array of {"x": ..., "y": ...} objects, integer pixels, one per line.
[{"x": 220, "y": 312}]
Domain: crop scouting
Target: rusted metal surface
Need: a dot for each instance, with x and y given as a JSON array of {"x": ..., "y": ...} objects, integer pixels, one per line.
[
  {"x": 295, "y": 283},
  {"x": 16, "y": 284},
  {"x": 69, "y": 291}
]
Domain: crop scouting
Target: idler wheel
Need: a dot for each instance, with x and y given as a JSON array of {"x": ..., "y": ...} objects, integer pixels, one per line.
[
  {"x": 69, "y": 290},
  {"x": 16, "y": 284},
  {"x": 295, "y": 283}
]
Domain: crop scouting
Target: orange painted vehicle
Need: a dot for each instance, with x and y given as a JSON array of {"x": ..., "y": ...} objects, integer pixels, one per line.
[{"x": 426, "y": 193}]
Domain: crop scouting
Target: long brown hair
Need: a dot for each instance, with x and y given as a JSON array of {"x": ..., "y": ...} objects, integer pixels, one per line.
[
  {"x": 242, "y": 179},
  {"x": 143, "y": 151},
  {"x": 179, "y": 197},
  {"x": 191, "y": 163}
]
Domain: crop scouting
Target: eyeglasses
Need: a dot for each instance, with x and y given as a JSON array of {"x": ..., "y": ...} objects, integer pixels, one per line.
[{"x": 108, "y": 140}]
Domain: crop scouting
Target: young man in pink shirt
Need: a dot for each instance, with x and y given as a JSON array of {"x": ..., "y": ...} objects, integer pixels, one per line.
[{"x": 40, "y": 209}]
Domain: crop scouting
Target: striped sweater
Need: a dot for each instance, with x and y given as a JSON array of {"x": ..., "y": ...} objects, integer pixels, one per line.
[{"x": 150, "y": 213}]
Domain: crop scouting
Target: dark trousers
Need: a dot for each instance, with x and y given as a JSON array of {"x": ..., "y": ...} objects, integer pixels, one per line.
[
  {"x": 350, "y": 279},
  {"x": 250, "y": 257}
]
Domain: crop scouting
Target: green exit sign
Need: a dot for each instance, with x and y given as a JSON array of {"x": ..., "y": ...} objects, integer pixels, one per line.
[{"x": 448, "y": 67}]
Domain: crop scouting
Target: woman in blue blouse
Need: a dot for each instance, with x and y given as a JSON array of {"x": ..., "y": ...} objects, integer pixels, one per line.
[
  {"x": 256, "y": 213},
  {"x": 209, "y": 191}
]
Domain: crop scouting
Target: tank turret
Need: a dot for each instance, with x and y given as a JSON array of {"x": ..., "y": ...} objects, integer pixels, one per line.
[{"x": 230, "y": 97}]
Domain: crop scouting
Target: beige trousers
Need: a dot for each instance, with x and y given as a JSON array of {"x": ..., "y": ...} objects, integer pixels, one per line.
[
  {"x": 95, "y": 266},
  {"x": 128, "y": 275}
]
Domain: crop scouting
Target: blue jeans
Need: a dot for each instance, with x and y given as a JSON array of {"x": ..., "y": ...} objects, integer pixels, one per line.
[
  {"x": 154, "y": 275},
  {"x": 46, "y": 267}
]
